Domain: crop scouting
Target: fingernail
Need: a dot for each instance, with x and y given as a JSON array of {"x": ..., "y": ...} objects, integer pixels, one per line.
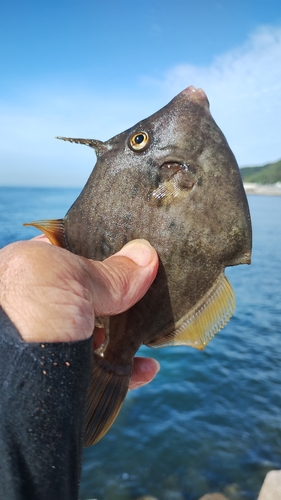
[
  {"x": 157, "y": 364},
  {"x": 140, "y": 251}
]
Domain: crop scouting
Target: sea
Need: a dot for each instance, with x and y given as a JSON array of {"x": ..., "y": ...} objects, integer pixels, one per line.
[{"x": 211, "y": 420}]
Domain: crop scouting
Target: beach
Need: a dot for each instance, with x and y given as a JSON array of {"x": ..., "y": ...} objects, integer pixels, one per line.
[{"x": 264, "y": 189}]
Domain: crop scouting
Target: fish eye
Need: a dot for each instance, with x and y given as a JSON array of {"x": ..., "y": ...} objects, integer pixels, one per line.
[{"x": 139, "y": 141}]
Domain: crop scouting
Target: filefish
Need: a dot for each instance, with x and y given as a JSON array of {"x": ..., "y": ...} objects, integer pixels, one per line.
[{"x": 173, "y": 180}]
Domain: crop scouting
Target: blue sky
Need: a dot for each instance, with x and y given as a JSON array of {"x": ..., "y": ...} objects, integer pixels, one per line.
[{"x": 88, "y": 68}]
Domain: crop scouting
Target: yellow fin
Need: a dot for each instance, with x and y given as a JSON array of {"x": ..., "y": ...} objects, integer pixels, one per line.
[
  {"x": 53, "y": 229},
  {"x": 205, "y": 319}
]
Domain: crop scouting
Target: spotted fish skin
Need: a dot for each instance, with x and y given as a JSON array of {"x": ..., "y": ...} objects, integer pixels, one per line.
[{"x": 173, "y": 180}]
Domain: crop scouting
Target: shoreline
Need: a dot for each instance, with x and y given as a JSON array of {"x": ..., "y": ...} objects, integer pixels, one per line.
[{"x": 263, "y": 189}]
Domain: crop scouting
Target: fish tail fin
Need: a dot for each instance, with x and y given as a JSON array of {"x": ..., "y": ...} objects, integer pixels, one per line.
[{"x": 106, "y": 393}]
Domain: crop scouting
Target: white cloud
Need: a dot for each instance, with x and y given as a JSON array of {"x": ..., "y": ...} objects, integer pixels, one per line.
[{"x": 244, "y": 89}]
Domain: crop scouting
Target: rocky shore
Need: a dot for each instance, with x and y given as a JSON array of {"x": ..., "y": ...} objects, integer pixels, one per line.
[
  {"x": 271, "y": 490},
  {"x": 264, "y": 189}
]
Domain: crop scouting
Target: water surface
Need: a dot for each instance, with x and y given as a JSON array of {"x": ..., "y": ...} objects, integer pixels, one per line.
[{"x": 211, "y": 420}]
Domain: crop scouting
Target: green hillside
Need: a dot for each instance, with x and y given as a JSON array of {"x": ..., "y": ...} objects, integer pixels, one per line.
[{"x": 267, "y": 174}]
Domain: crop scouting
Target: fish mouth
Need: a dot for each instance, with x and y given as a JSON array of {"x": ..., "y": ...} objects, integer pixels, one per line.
[{"x": 196, "y": 94}]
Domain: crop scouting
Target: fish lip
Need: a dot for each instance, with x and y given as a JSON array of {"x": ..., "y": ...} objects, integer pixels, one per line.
[{"x": 196, "y": 94}]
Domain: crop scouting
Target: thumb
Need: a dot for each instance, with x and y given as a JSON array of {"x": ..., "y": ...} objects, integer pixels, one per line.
[{"x": 122, "y": 280}]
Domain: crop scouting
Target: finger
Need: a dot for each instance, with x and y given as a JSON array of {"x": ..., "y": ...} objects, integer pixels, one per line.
[
  {"x": 144, "y": 370},
  {"x": 42, "y": 290},
  {"x": 48, "y": 289},
  {"x": 42, "y": 238},
  {"x": 120, "y": 281}
]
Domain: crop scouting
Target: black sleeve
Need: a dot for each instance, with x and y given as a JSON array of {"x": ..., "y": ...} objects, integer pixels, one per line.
[{"x": 42, "y": 407}]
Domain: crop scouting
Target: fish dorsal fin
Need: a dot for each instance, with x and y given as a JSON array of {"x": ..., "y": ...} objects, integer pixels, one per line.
[
  {"x": 99, "y": 146},
  {"x": 205, "y": 319}
]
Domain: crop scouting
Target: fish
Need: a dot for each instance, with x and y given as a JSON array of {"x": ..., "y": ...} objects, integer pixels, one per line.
[{"x": 173, "y": 180}]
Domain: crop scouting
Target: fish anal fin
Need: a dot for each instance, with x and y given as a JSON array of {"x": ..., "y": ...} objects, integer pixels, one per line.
[
  {"x": 205, "y": 319},
  {"x": 107, "y": 391},
  {"x": 53, "y": 230}
]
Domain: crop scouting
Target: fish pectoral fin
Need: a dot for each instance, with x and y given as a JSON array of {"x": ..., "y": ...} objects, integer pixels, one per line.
[
  {"x": 107, "y": 391},
  {"x": 205, "y": 319},
  {"x": 53, "y": 230},
  {"x": 174, "y": 189}
]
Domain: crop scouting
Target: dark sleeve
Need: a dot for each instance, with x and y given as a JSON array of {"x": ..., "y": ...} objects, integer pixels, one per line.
[{"x": 42, "y": 407}]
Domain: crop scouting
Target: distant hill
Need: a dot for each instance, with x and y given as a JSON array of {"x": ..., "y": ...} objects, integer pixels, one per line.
[{"x": 267, "y": 174}]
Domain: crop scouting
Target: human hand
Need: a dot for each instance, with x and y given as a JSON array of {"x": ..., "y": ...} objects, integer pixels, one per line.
[{"x": 52, "y": 295}]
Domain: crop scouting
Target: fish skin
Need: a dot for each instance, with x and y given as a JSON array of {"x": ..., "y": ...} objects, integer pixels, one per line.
[
  {"x": 183, "y": 193},
  {"x": 197, "y": 234}
]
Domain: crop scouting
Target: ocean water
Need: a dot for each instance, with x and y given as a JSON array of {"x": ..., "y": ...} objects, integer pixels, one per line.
[{"x": 211, "y": 420}]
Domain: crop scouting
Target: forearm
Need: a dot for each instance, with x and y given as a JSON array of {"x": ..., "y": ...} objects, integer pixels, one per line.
[{"x": 43, "y": 397}]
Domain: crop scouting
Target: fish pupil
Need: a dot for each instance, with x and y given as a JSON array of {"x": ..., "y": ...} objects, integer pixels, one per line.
[{"x": 139, "y": 138}]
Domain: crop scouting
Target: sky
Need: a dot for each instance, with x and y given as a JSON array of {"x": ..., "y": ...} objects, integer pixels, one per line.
[{"x": 89, "y": 68}]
